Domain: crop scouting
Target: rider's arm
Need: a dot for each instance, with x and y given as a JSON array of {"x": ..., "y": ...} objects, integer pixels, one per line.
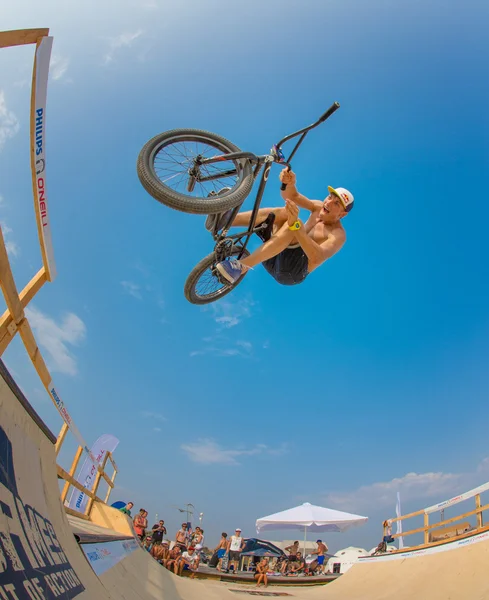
[
  {"x": 318, "y": 253},
  {"x": 291, "y": 193}
]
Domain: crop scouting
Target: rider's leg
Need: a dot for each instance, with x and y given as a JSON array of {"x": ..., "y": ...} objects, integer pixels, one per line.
[
  {"x": 243, "y": 219},
  {"x": 232, "y": 270},
  {"x": 278, "y": 242}
]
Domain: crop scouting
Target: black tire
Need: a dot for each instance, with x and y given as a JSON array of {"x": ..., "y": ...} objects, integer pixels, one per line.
[
  {"x": 206, "y": 263},
  {"x": 191, "y": 203}
]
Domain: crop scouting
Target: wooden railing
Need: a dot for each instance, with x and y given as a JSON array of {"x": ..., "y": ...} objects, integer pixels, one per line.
[
  {"x": 14, "y": 319},
  {"x": 429, "y": 530}
]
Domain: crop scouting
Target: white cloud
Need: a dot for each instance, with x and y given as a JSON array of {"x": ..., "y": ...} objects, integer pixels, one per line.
[
  {"x": 58, "y": 66},
  {"x": 132, "y": 289},
  {"x": 9, "y": 124},
  {"x": 147, "y": 414},
  {"x": 209, "y": 452},
  {"x": 248, "y": 346},
  {"x": 121, "y": 41},
  {"x": 157, "y": 429},
  {"x": 412, "y": 486},
  {"x": 12, "y": 248},
  {"x": 56, "y": 338},
  {"x": 228, "y": 314}
]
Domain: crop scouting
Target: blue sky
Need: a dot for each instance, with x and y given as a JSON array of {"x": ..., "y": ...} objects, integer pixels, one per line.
[{"x": 369, "y": 378}]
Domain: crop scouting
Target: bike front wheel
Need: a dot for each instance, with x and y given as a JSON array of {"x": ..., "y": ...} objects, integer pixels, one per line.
[
  {"x": 205, "y": 285},
  {"x": 166, "y": 163}
]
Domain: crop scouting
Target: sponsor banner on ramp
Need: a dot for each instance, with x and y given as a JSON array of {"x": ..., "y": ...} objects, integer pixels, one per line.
[
  {"x": 33, "y": 564},
  {"x": 103, "y": 556}
]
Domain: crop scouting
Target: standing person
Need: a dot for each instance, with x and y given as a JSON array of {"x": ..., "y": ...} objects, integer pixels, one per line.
[
  {"x": 292, "y": 549},
  {"x": 261, "y": 572},
  {"x": 221, "y": 549},
  {"x": 182, "y": 538},
  {"x": 159, "y": 531},
  {"x": 140, "y": 523},
  {"x": 320, "y": 551},
  {"x": 127, "y": 509},
  {"x": 197, "y": 539},
  {"x": 234, "y": 548}
]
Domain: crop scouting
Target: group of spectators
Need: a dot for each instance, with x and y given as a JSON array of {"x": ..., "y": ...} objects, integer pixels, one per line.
[{"x": 183, "y": 554}]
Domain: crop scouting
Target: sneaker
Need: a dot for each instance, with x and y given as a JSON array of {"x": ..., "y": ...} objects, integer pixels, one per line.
[
  {"x": 231, "y": 270},
  {"x": 211, "y": 219}
]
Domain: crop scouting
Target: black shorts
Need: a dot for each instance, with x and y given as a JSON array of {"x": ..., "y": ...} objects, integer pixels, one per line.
[
  {"x": 290, "y": 267},
  {"x": 234, "y": 554}
]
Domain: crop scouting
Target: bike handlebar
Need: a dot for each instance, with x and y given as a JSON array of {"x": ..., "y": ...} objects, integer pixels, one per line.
[{"x": 334, "y": 107}]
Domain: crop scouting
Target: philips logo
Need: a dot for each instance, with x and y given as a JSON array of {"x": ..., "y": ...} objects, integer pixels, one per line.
[{"x": 39, "y": 130}]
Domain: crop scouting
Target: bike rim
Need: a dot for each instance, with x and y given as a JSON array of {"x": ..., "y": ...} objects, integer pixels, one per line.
[
  {"x": 209, "y": 284},
  {"x": 171, "y": 160}
]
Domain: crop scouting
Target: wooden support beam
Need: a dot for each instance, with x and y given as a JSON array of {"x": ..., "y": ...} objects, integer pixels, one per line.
[
  {"x": 479, "y": 510},
  {"x": 61, "y": 438},
  {"x": 75, "y": 513},
  {"x": 426, "y": 528},
  {"x": 74, "y": 466},
  {"x": 8, "y": 284},
  {"x": 111, "y": 487},
  {"x": 8, "y": 327},
  {"x": 19, "y": 37},
  {"x": 62, "y": 474}
]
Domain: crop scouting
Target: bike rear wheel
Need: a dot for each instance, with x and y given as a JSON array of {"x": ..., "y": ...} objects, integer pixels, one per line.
[
  {"x": 204, "y": 284},
  {"x": 165, "y": 161}
]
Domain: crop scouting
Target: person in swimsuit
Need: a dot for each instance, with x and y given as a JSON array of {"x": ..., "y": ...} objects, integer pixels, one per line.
[
  {"x": 221, "y": 549},
  {"x": 292, "y": 249}
]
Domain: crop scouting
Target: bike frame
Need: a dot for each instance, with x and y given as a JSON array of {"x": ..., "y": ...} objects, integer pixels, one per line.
[{"x": 236, "y": 240}]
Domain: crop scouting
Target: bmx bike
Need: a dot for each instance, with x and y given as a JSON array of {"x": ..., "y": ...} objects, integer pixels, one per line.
[{"x": 180, "y": 168}]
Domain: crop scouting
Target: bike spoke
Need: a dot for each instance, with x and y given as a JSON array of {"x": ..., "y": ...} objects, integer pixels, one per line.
[{"x": 173, "y": 161}]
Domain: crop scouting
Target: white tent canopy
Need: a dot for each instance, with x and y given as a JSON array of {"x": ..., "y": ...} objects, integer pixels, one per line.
[{"x": 311, "y": 518}]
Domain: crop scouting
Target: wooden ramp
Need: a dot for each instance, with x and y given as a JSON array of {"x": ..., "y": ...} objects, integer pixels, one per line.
[{"x": 40, "y": 558}]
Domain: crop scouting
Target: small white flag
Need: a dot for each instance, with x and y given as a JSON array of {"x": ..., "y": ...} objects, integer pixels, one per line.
[{"x": 399, "y": 523}]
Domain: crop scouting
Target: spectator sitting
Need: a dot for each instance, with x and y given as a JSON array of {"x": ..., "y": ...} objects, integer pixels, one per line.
[
  {"x": 148, "y": 542},
  {"x": 160, "y": 552},
  {"x": 297, "y": 566},
  {"x": 261, "y": 573},
  {"x": 189, "y": 562},
  {"x": 173, "y": 559}
]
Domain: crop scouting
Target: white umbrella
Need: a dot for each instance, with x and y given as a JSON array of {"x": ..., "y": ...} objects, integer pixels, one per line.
[{"x": 312, "y": 518}]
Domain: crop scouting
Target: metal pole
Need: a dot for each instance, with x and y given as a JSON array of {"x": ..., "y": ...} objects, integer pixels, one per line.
[{"x": 305, "y": 537}]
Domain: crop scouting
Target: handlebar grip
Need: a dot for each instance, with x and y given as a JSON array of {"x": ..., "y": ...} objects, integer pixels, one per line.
[
  {"x": 334, "y": 107},
  {"x": 284, "y": 185}
]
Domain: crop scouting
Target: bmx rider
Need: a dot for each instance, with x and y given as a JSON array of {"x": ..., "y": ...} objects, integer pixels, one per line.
[{"x": 293, "y": 249}]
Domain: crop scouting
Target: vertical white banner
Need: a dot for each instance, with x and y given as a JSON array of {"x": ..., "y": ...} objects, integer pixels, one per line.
[
  {"x": 105, "y": 443},
  {"x": 38, "y": 151},
  {"x": 399, "y": 523}
]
